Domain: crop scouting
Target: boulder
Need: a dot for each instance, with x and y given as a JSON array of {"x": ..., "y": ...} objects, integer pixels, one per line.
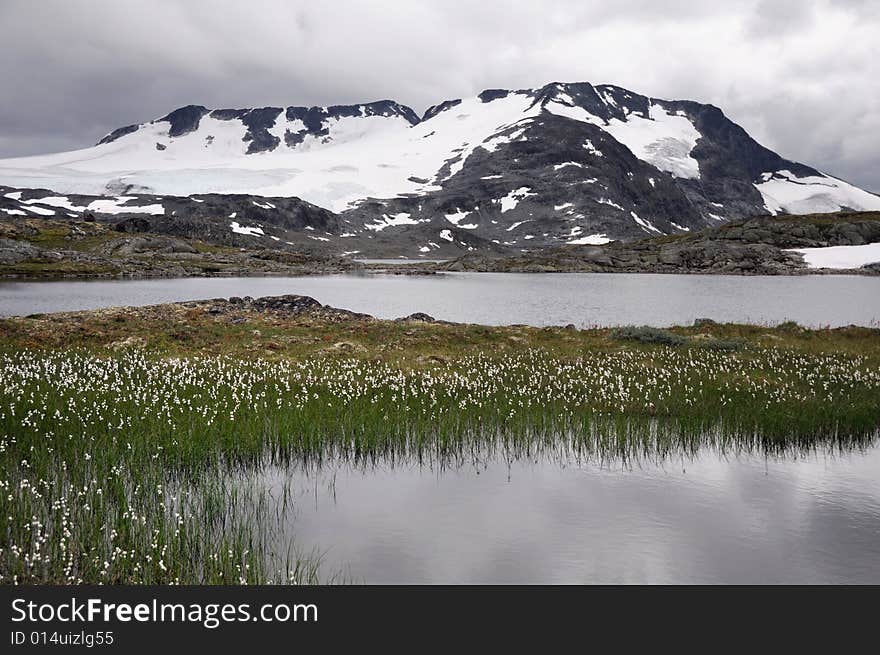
[
  {"x": 13, "y": 251},
  {"x": 419, "y": 317}
]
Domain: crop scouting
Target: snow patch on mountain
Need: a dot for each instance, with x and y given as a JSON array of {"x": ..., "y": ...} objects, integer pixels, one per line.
[
  {"x": 664, "y": 140},
  {"x": 556, "y": 167},
  {"x": 590, "y": 239},
  {"x": 568, "y": 109},
  {"x": 840, "y": 257},
  {"x": 105, "y": 205},
  {"x": 402, "y": 218},
  {"x": 505, "y": 135},
  {"x": 62, "y": 202},
  {"x": 512, "y": 199},
  {"x": 116, "y": 206},
  {"x": 593, "y": 150},
  {"x": 783, "y": 191},
  {"x": 42, "y": 211},
  {"x": 647, "y": 226},
  {"x": 456, "y": 217},
  {"x": 610, "y": 203},
  {"x": 249, "y": 231}
]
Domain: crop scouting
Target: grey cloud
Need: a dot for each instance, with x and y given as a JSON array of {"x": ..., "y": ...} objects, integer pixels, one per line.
[
  {"x": 772, "y": 18},
  {"x": 800, "y": 76}
]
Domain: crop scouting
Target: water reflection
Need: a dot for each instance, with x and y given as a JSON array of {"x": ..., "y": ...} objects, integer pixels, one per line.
[{"x": 810, "y": 516}]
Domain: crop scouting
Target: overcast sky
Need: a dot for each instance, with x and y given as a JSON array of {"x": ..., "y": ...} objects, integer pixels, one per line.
[{"x": 801, "y": 76}]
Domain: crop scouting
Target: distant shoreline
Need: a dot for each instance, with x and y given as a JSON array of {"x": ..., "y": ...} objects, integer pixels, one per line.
[{"x": 37, "y": 248}]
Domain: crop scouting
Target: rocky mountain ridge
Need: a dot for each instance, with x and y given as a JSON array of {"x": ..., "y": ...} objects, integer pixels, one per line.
[{"x": 506, "y": 171}]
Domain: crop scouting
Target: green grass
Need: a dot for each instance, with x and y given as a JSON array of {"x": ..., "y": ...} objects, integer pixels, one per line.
[
  {"x": 139, "y": 461},
  {"x": 657, "y": 336},
  {"x": 647, "y": 334},
  {"x": 56, "y": 235}
]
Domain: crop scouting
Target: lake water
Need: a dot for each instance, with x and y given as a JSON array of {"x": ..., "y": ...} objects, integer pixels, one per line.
[
  {"x": 712, "y": 519},
  {"x": 499, "y": 299}
]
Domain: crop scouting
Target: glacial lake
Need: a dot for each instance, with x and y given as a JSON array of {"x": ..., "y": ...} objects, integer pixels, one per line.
[
  {"x": 584, "y": 299},
  {"x": 709, "y": 519}
]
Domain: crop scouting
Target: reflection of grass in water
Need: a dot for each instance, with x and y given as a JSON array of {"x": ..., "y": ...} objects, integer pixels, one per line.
[{"x": 136, "y": 469}]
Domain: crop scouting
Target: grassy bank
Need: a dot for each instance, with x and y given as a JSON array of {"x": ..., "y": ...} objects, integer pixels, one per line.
[{"x": 120, "y": 428}]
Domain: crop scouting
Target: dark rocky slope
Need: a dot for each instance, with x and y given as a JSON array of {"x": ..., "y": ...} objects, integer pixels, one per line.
[
  {"x": 757, "y": 246},
  {"x": 47, "y": 248}
]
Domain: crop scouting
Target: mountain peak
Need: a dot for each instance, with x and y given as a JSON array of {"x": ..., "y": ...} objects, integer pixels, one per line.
[
  {"x": 569, "y": 162},
  {"x": 184, "y": 120}
]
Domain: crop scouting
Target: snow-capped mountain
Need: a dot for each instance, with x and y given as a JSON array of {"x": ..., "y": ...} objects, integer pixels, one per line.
[{"x": 566, "y": 163}]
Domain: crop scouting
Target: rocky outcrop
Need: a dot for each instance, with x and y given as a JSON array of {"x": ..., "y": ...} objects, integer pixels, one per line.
[
  {"x": 292, "y": 305},
  {"x": 16, "y": 251},
  {"x": 417, "y": 317},
  {"x": 285, "y": 306},
  {"x": 283, "y": 223},
  {"x": 238, "y": 220},
  {"x": 184, "y": 120},
  {"x": 194, "y": 244},
  {"x": 752, "y": 247},
  {"x": 814, "y": 231},
  {"x": 146, "y": 244},
  {"x": 50, "y": 248}
]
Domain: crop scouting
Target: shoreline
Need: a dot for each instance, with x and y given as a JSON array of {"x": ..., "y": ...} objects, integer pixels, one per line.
[
  {"x": 420, "y": 270},
  {"x": 212, "y": 322},
  {"x": 40, "y": 249}
]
